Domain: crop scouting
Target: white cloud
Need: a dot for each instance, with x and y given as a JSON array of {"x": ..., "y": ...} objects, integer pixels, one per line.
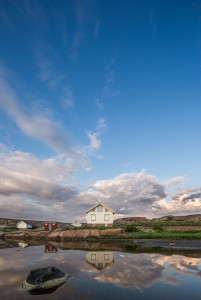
[
  {"x": 67, "y": 97},
  {"x": 101, "y": 124},
  {"x": 138, "y": 191},
  {"x": 99, "y": 104},
  {"x": 39, "y": 188},
  {"x": 38, "y": 126},
  {"x": 95, "y": 143},
  {"x": 187, "y": 201},
  {"x": 174, "y": 181},
  {"x": 142, "y": 194},
  {"x": 47, "y": 188},
  {"x": 94, "y": 140}
]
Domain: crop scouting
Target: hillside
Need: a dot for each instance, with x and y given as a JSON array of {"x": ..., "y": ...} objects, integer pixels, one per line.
[
  {"x": 187, "y": 218},
  {"x": 5, "y": 222}
]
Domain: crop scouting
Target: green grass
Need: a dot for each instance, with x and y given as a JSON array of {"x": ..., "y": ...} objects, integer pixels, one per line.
[
  {"x": 165, "y": 223},
  {"x": 166, "y": 235},
  {"x": 8, "y": 229}
]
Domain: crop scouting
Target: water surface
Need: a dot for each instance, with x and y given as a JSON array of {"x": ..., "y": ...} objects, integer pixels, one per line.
[{"x": 105, "y": 274}]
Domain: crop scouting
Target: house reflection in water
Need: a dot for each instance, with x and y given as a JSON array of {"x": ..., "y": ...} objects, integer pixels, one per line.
[
  {"x": 50, "y": 249},
  {"x": 23, "y": 245},
  {"x": 100, "y": 259}
]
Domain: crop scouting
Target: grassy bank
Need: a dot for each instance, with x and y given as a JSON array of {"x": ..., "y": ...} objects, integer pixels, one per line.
[
  {"x": 165, "y": 235},
  {"x": 152, "y": 223}
]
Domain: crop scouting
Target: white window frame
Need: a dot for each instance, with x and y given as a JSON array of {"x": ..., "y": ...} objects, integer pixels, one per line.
[
  {"x": 100, "y": 208},
  {"x": 106, "y": 217},
  {"x": 106, "y": 257},
  {"x": 93, "y": 217},
  {"x": 93, "y": 256}
]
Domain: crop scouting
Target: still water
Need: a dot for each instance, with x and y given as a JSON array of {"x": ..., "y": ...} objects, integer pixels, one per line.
[{"x": 102, "y": 274}]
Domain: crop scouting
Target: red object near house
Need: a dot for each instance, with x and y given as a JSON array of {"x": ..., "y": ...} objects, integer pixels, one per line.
[
  {"x": 50, "y": 249},
  {"x": 50, "y": 226}
]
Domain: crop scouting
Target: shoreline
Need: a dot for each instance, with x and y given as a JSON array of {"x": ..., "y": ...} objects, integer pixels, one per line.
[
  {"x": 160, "y": 246},
  {"x": 99, "y": 238}
]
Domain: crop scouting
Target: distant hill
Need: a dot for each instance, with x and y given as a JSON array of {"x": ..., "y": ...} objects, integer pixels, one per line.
[
  {"x": 128, "y": 220},
  {"x": 5, "y": 222}
]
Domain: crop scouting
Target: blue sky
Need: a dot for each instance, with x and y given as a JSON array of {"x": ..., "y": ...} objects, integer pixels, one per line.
[{"x": 100, "y": 102}]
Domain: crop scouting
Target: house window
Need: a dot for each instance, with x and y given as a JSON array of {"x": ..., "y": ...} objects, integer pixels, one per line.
[
  {"x": 100, "y": 208},
  {"x": 100, "y": 265},
  {"x": 93, "y": 217},
  {"x": 106, "y": 217},
  {"x": 106, "y": 256},
  {"x": 93, "y": 256}
]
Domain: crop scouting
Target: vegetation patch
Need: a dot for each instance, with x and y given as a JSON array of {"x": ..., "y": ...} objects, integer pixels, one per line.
[
  {"x": 131, "y": 228},
  {"x": 8, "y": 229},
  {"x": 166, "y": 235}
]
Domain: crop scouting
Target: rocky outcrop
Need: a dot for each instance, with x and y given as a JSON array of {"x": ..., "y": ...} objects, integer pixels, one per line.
[
  {"x": 45, "y": 280},
  {"x": 187, "y": 218},
  {"x": 63, "y": 235},
  {"x": 129, "y": 220}
]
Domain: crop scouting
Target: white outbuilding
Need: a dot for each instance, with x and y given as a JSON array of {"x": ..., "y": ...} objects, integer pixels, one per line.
[
  {"x": 100, "y": 214},
  {"x": 76, "y": 224},
  {"x": 24, "y": 225}
]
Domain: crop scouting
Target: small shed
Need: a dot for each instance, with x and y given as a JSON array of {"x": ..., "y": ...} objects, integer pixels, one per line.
[
  {"x": 24, "y": 225},
  {"x": 76, "y": 224},
  {"x": 49, "y": 226}
]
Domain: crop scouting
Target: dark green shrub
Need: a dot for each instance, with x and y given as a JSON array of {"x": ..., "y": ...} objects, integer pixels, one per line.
[
  {"x": 131, "y": 228},
  {"x": 158, "y": 228}
]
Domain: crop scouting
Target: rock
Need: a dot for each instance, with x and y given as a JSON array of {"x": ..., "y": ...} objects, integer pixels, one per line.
[{"x": 45, "y": 280}]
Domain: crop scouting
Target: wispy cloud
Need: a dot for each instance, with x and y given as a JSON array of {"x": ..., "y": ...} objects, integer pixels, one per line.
[
  {"x": 99, "y": 104},
  {"x": 37, "y": 126},
  {"x": 54, "y": 79},
  {"x": 96, "y": 28},
  {"x": 110, "y": 78},
  {"x": 81, "y": 15},
  {"x": 94, "y": 136},
  {"x": 101, "y": 124},
  {"x": 152, "y": 22},
  {"x": 95, "y": 142},
  {"x": 67, "y": 97}
]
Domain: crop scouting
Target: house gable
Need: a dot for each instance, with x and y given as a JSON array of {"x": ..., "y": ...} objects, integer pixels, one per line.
[
  {"x": 99, "y": 214},
  {"x": 100, "y": 205},
  {"x": 24, "y": 225}
]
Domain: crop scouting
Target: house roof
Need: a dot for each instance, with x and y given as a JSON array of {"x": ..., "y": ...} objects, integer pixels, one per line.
[
  {"x": 28, "y": 223},
  {"x": 98, "y": 205}
]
